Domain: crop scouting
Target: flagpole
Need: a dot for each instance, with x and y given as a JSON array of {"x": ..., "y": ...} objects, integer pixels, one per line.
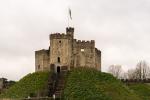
[
  {"x": 68, "y": 19},
  {"x": 68, "y": 16}
]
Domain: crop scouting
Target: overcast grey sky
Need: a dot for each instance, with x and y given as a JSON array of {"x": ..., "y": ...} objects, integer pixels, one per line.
[{"x": 120, "y": 28}]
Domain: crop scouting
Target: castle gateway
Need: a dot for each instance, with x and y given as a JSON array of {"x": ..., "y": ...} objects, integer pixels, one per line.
[{"x": 67, "y": 52}]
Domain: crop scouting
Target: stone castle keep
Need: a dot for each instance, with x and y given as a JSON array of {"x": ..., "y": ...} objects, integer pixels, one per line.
[{"x": 65, "y": 52}]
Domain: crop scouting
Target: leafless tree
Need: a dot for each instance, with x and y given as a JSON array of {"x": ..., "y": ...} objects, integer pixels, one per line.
[
  {"x": 131, "y": 74},
  {"x": 123, "y": 75},
  {"x": 115, "y": 70},
  {"x": 140, "y": 72}
]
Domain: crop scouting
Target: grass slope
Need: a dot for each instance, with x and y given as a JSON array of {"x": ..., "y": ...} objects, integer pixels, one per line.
[
  {"x": 29, "y": 84},
  {"x": 89, "y": 84},
  {"x": 142, "y": 90}
]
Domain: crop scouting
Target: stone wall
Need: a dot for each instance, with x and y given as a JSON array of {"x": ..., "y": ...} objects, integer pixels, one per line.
[
  {"x": 1, "y": 83},
  {"x": 61, "y": 50},
  {"x": 42, "y": 60},
  {"x": 60, "y": 36},
  {"x": 97, "y": 59},
  {"x": 84, "y": 53}
]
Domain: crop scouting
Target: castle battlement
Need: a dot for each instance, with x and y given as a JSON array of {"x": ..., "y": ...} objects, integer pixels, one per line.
[
  {"x": 60, "y": 36},
  {"x": 69, "y": 29},
  {"x": 85, "y": 44},
  {"x": 97, "y": 51}
]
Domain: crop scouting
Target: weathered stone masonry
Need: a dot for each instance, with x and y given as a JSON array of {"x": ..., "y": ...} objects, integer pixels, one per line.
[{"x": 65, "y": 51}]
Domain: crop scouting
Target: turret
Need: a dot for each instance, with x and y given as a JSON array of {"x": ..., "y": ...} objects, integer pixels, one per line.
[{"x": 70, "y": 30}]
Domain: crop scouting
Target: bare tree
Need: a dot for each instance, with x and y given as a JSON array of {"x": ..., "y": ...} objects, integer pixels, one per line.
[
  {"x": 115, "y": 70},
  {"x": 140, "y": 72},
  {"x": 124, "y": 75},
  {"x": 131, "y": 74}
]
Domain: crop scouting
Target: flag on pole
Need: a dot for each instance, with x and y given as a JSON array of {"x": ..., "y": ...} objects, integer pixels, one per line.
[{"x": 70, "y": 13}]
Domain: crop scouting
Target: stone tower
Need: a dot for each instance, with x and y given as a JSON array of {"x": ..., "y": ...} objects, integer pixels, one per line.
[
  {"x": 67, "y": 52},
  {"x": 61, "y": 48}
]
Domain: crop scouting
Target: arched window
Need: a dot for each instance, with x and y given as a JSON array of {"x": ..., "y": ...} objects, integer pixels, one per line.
[{"x": 58, "y": 59}]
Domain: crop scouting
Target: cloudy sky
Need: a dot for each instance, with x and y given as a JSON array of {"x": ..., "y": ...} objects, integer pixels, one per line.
[{"x": 121, "y": 29}]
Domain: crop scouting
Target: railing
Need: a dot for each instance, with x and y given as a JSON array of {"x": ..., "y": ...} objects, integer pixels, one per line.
[{"x": 54, "y": 83}]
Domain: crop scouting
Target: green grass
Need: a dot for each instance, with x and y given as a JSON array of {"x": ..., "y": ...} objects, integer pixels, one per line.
[
  {"x": 141, "y": 89},
  {"x": 90, "y": 84},
  {"x": 81, "y": 84},
  {"x": 29, "y": 84}
]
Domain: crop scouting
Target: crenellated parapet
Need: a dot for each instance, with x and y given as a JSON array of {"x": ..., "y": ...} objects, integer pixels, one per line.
[
  {"x": 69, "y": 30},
  {"x": 98, "y": 52},
  {"x": 85, "y": 44},
  {"x": 60, "y": 36}
]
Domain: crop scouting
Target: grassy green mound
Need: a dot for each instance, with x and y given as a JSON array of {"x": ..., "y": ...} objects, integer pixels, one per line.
[
  {"x": 90, "y": 84},
  {"x": 143, "y": 90},
  {"x": 28, "y": 85}
]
